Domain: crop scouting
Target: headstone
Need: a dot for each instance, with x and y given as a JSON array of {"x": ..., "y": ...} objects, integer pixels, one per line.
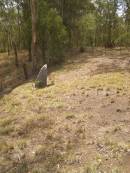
[{"x": 41, "y": 80}]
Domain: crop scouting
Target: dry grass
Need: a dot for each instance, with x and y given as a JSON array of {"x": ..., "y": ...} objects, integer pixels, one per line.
[{"x": 55, "y": 129}]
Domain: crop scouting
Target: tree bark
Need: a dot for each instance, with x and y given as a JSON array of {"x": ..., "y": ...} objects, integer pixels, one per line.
[
  {"x": 34, "y": 34},
  {"x": 19, "y": 25},
  {"x": 16, "y": 54},
  {"x": 29, "y": 54},
  {"x": 25, "y": 71}
]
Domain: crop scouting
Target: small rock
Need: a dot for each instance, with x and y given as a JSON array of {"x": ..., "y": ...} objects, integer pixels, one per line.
[
  {"x": 118, "y": 110},
  {"x": 107, "y": 94},
  {"x": 74, "y": 94},
  {"x": 91, "y": 143},
  {"x": 82, "y": 88},
  {"x": 118, "y": 92},
  {"x": 70, "y": 117},
  {"x": 83, "y": 93},
  {"x": 112, "y": 101},
  {"x": 87, "y": 95}
]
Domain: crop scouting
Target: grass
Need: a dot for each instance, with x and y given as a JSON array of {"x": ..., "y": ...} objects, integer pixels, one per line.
[
  {"x": 5, "y": 122},
  {"x": 5, "y": 146},
  {"x": 33, "y": 123},
  {"x": 49, "y": 96},
  {"x": 39, "y": 124},
  {"x": 115, "y": 146},
  {"x": 113, "y": 80},
  {"x": 6, "y": 130},
  {"x": 6, "y": 126},
  {"x": 94, "y": 169},
  {"x": 31, "y": 108},
  {"x": 21, "y": 143}
]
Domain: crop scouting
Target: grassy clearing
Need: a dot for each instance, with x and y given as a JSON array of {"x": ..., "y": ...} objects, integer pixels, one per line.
[
  {"x": 42, "y": 131},
  {"x": 29, "y": 103}
]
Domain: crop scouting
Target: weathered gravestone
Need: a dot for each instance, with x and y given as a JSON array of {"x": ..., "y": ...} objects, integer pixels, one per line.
[{"x": 41, "y": 80}]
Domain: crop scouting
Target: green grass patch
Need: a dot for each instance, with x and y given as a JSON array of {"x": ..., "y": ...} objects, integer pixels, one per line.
[
  {"x": 6, "y": 130},
  {"x": 112, "y": 80},
  {"x": 5, "y": 146}
]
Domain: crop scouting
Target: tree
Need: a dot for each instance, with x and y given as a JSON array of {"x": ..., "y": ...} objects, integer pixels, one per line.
[
  {"x": 48, "y": 29},
  {"x": 33, "y": 4}
]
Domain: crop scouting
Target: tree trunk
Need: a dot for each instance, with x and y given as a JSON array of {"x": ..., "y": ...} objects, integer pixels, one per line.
[
  {"x": 34, "y": 35},
  {"x": 1, "y": 86},
  {"x": 25, "y": 71},
  {"x": 8, "y": 48},
  {"x": 29, "y": 54},
  {"x": 8, "y": 42},
  {"x": 19, "y": 27},
  {"x": 16, "y": 54}
]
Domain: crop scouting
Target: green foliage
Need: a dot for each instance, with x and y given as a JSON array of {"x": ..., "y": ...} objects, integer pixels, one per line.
[
  {"x": 57, "y": 37},
  {"x": 64, "y": 24},
  {"x": 38, "y": 84},
  {"x": 87, "y": 29},
  {"x": 52, "y": 32}
]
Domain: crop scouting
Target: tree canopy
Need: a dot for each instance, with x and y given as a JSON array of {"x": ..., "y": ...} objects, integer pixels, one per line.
[{"x": 54, "y": 27}]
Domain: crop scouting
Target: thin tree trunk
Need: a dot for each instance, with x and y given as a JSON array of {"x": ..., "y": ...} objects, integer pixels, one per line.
[
  {"x": 8, "y": 48},
  {"x": 8, "y": 43},
  {"x": 34, "y": 35},
  {"x": 19, "y": 27},
  {"x": 29, "y": 54},
  {"x": 16, "y": 54},
  {"x": 1, "y": 86},
  {"x": 25, "y": 71}
]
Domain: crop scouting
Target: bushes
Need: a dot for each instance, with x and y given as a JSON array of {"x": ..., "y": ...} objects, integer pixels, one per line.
[
  {"x": 57, "y": 37},
  {"x": 52, "y": 34}
]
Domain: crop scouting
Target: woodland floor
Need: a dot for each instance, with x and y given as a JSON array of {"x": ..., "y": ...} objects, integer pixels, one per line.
[{"x": 81, "y": 124}]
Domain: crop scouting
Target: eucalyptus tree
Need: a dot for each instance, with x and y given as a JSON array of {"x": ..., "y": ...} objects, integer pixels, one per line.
[
  {"x": 33, "y": 4},
  {"x": 55, "y": 26},
  {"x": 107, "y": 19},
  {"x": 8, "y": 24}
]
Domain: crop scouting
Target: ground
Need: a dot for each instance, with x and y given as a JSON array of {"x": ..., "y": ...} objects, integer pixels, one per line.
[{"x": 78, "y": 124}]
